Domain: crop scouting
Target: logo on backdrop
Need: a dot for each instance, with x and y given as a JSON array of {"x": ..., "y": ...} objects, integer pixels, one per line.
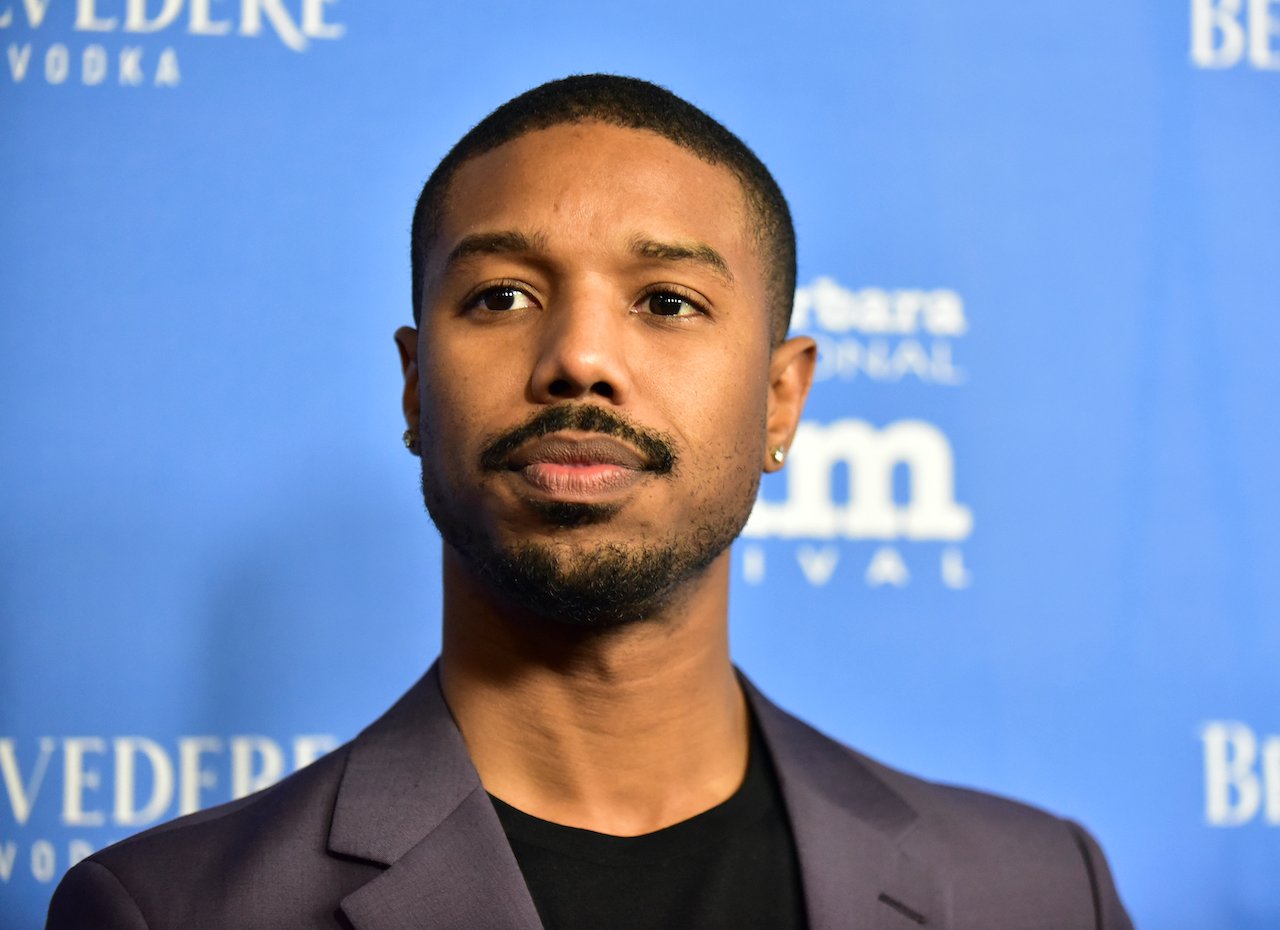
[
  {"x": 1235, "y": 33},
  {"x": 898, "y": 488},
  {"x": 113, "y": 787},
  {"x": 1241, "y": 775},
  {"x": 129, "y": 42},
  {"x": 883, "y": 335}
]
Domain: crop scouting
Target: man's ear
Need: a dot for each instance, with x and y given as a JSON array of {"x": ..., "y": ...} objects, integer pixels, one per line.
[
  {"x": 790, "y": 376},
  {"x": 410, "y": 402}
]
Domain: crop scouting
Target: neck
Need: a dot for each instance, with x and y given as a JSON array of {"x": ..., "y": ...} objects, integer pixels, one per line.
[{"x": 624, "y": 731}]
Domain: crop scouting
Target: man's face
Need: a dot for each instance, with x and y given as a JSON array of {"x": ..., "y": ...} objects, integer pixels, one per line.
[{"x": 594, "y": 369}]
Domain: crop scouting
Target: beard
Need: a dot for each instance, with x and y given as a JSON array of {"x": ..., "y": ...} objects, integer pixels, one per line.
[{"x": 598, "y": 586}]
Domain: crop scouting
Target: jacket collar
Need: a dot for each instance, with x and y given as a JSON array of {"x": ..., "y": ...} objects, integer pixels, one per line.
[
  {"x": 410, "y": 799},
  {"x": 848, "y": 826}
]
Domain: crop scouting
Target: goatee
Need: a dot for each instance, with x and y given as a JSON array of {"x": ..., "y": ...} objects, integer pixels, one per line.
[{"x": 593, "y": 586}]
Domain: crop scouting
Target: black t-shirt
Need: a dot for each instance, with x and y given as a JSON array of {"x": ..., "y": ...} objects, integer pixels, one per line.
[{"x": 732, "y": 866}]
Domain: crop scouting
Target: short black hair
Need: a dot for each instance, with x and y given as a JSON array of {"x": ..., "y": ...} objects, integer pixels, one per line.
[{"x": 632, "y": 104}]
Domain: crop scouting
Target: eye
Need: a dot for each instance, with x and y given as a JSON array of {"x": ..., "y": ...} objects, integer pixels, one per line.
[
  {"x": 500, "y": 299},
  {"x": 670, "y": 304}
]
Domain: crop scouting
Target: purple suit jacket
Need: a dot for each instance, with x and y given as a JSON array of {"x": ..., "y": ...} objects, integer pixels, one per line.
[{"x": 394, "y": 831}]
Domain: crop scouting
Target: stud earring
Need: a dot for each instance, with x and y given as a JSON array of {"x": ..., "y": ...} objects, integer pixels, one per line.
[
  {"x": 411, "y": 441},
  {"x": 779, "y": 453}
]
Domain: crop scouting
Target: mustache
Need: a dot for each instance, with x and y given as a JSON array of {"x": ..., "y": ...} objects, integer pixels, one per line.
[{"x": 657, "y": 450}]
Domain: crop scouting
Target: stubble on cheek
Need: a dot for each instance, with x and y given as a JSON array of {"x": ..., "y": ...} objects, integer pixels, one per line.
[
  {"x": 606, "y": 582},
  {"x": 560, "y": 560}
]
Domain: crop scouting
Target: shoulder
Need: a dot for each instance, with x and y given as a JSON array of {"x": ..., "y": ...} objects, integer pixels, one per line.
[
  {"x": 964, "y": 819},
  {"x": 288, "y": 855},
  {"x": 197, "y": 870},
  {"x": 1006, "y": 854},
  {"x": 1001, "y": 862}
]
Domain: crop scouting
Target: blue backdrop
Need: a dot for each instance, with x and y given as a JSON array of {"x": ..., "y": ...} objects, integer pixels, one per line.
[{"x": 1026, "y": 541}]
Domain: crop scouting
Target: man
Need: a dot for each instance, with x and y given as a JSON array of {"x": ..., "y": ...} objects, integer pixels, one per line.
[{"x": 602, "y": 280}]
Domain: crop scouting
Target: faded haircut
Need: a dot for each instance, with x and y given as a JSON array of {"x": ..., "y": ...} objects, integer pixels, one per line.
[{"x": 632, "y": 104}]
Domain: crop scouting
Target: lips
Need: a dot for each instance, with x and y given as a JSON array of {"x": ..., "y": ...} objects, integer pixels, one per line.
[
  {"x": 567, "y": 468},
  {"x": 563, "y": 450}
]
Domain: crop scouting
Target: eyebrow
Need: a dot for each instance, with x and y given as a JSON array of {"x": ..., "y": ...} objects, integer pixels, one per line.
[
  {"x": 698, "y": 253},
  {"x": 514, "y": 242},
  {"x": 507, "y": 242}
]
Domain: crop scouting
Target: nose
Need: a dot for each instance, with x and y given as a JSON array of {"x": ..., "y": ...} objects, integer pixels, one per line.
[{"x": 581, "y": 353}]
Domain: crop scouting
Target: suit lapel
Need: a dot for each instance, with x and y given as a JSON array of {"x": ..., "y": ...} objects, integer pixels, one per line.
[
  {"x": 410, "y": 799},
  {"x": 462, "y": 877},
  {"x": 847, "y": 825}
]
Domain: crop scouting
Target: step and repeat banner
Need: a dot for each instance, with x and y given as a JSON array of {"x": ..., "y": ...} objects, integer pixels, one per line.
[{"x": 1026, "y": 539}]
